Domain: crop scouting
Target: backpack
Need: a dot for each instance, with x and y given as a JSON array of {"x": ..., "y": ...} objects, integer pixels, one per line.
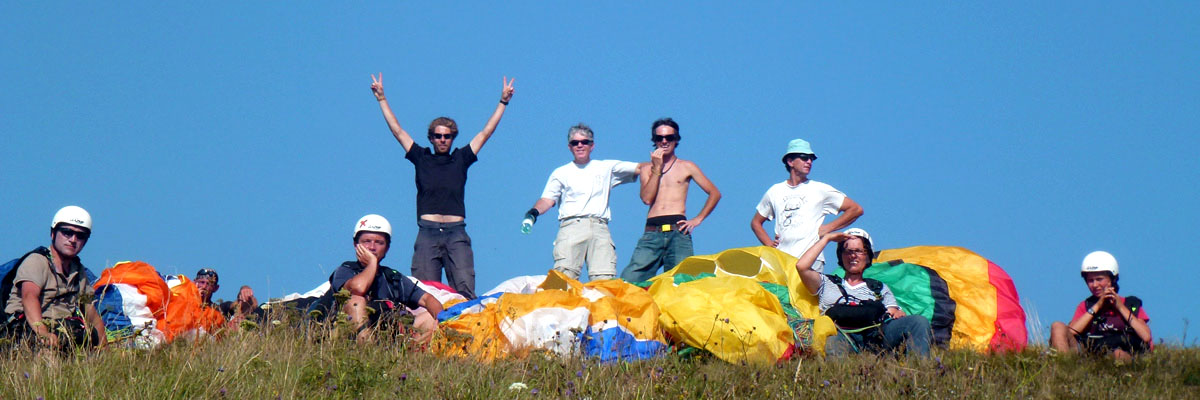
[
  {"x": 863, "y": 313},
  {"x": 1108, "y": 331},
  {"x": 8, "y": 272}
]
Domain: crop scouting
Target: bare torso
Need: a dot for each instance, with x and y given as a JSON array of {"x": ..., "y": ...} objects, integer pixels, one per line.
[
  {"x": 672, "y": 189},
  {"x": 441, "y": 218}
]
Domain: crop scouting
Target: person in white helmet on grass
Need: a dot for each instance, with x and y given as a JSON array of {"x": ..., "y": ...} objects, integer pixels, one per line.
[
  {"x": 48, "y": 285},
  {"x": 384, "y": 290},
  {"x": 865, "y": 310},
  {"x": 1105, "y": 323}
]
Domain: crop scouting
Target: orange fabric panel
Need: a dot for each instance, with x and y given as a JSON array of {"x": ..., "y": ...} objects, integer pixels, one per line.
[{"x": 147, "y": 281}]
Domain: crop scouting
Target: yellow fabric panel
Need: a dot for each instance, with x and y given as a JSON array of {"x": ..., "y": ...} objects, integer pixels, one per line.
[
  {"x": 731, "y": 317},
  {"x": 631, "y": 306},
  {"x": 474, "y": 335},
  {"x": 967, "y": 278},
  {"x": 761, "y": 264}
]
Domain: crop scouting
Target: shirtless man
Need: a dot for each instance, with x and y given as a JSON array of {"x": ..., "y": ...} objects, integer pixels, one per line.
[{"x": 668, "y": 237}]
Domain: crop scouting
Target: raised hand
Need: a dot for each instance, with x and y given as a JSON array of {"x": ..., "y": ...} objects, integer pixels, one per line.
[
  {"x": 656, "y": 160},
  {"x": 377, "y": 87},
  {"x": 837, "y": 237},
  {"x": 505, "y": 94},
  {"x": 365, "y": 257}
]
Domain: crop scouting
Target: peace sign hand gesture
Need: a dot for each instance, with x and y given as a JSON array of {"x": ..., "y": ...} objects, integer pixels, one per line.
[
  {"x": 505, "y": 94},
  {"x": 377, "y": 87}
]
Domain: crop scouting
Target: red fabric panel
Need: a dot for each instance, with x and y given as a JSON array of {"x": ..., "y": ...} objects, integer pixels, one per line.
[{"x": 1010, "y": 317}]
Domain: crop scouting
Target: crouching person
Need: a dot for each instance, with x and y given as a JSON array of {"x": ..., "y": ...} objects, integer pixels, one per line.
[
  {"x": 384, "y": 290},
  {"x": 1104, "y": 323},
  {"x": 865, "y": 310},
  {"x": 48, "y": 287}
]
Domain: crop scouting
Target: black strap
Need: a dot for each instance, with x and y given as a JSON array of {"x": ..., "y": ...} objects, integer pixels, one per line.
[{"x": 875, "y": 286}]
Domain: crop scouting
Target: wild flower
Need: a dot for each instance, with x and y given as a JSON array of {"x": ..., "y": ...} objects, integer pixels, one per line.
[{"x": 517, "y": 386}]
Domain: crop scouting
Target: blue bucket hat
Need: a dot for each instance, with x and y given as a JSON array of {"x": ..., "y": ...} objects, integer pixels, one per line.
[{"x": 798, "y": 146}]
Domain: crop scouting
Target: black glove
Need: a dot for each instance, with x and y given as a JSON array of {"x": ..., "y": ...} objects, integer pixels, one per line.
[{"x": 532, "y": 214}]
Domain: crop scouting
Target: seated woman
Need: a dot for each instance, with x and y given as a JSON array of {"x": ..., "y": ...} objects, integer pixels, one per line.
[
  {"x": 865, "y": 311},
  {"x": 1104, "y": 323}
]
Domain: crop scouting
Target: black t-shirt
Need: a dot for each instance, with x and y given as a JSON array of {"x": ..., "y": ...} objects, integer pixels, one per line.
[{"x": 441, "y": 179}]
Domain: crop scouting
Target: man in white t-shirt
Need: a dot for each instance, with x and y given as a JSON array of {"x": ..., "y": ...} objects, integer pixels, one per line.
[
  {"x": 581, "y": 190},
  {"x": 799, "y": 206}
]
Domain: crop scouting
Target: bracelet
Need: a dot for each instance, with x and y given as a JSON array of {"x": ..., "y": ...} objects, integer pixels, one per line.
[
  {"x": 380, "y": 98},
  {"x": 1089, "y": 311},
  {"x": 504, "y": 102}
]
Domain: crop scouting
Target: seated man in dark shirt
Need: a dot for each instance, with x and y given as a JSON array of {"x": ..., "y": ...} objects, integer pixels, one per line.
[{"x": 383, "y": 289}]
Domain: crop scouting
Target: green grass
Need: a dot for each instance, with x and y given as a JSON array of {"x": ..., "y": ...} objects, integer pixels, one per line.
[{"x": 286, "y": 362}]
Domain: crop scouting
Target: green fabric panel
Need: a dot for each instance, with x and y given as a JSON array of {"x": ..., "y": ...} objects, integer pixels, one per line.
[
  {"x": 685, "y": 278},
  {"x": 909, "y": 283},
  {"x": 785, "y": 299}
]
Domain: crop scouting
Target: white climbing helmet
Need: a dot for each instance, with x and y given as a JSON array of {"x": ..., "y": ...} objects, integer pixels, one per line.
[
  {"x": 859, "y": 232},
  {"x": 73, "y": 215},
  {"x": 373, "y": 223},
  {"x": 1100, "y": 261}
]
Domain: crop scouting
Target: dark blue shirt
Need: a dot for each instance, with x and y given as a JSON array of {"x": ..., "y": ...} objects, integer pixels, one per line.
[
  {"x": 441, "y": 179},
  {"x": 389, "y": 284}
]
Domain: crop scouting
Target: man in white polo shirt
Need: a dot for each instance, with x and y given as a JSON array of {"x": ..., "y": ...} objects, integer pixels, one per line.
[
  {"x": 581, "y": 190},
  {"x": 799, "y": 206}
]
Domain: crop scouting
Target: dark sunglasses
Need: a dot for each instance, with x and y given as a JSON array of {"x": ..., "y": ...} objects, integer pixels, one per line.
[
  {"x": 442, "y": 135},
  {"x": 584, "y": 142},
  {"x": 674, "y": 137},
  {"x": 806, "y": 157},
  {"x": 207, "y": 272},
  {"x": 71, "y": 233}
]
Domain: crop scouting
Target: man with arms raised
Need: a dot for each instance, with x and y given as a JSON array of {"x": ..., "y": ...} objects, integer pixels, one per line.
[
  {"x": 799, "y": 206},
  {"x": 581, "y": 189},
  {"x": 48, "y": 284},
  {"x": 441, "y": 176},
  {"x": 668, "y": 237},
  {"x": 379, "y": 287}
]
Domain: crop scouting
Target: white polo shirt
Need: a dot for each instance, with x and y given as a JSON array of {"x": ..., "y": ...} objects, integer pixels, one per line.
[{"x": 583, "y": 190}]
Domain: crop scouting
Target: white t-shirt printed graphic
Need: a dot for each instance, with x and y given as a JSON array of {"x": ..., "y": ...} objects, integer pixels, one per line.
[
  {"x": 583, "y": 191},
  {"x": 798, "y": 212}
]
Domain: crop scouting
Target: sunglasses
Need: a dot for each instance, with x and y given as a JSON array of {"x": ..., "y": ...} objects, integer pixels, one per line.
[
  {"x": 674, "y": 137},
  {"x": 442, "y": 135},
  {"x": 585, "y": 142},
  {"x": 806, "y": 157},
  {"x": 207, "y": 272},
  {"x": 71, "y": 233}
]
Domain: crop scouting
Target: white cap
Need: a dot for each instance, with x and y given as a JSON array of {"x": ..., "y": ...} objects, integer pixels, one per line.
[
  {"x": 1100, "y": 261},
  {"x": 373, "y": 223},
  {"x": 73, "y": 215},
  {"x": 859, "y": 232}
]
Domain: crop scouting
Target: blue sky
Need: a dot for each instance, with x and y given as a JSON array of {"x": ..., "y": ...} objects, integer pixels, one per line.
[{"x": 244, "y": 137}]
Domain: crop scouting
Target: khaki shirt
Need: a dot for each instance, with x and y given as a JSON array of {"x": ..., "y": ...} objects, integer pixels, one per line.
[{"x": 59, "y": 299}]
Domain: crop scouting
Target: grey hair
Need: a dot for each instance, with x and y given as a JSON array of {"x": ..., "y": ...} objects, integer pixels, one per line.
[{"x": 580, "y": 128}]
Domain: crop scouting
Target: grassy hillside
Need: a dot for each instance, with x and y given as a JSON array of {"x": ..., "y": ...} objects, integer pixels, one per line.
[{"x": 289, "y": 363}]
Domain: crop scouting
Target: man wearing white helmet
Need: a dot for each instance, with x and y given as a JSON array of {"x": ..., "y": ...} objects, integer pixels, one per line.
[
  {"x": 865, "y": 310},
  {"x": 1105, "y": 322},
  {"x": 379, "y": 287},
  {"x": 799, "y": 206},
  {"x": 441, "y": 176},
  {"x": 48, "y": 283}
]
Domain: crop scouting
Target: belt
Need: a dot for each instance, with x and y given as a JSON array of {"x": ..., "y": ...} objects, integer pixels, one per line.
[
  {"x": 662, "y": 228},
  {"x": 601, "y": 220}
]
